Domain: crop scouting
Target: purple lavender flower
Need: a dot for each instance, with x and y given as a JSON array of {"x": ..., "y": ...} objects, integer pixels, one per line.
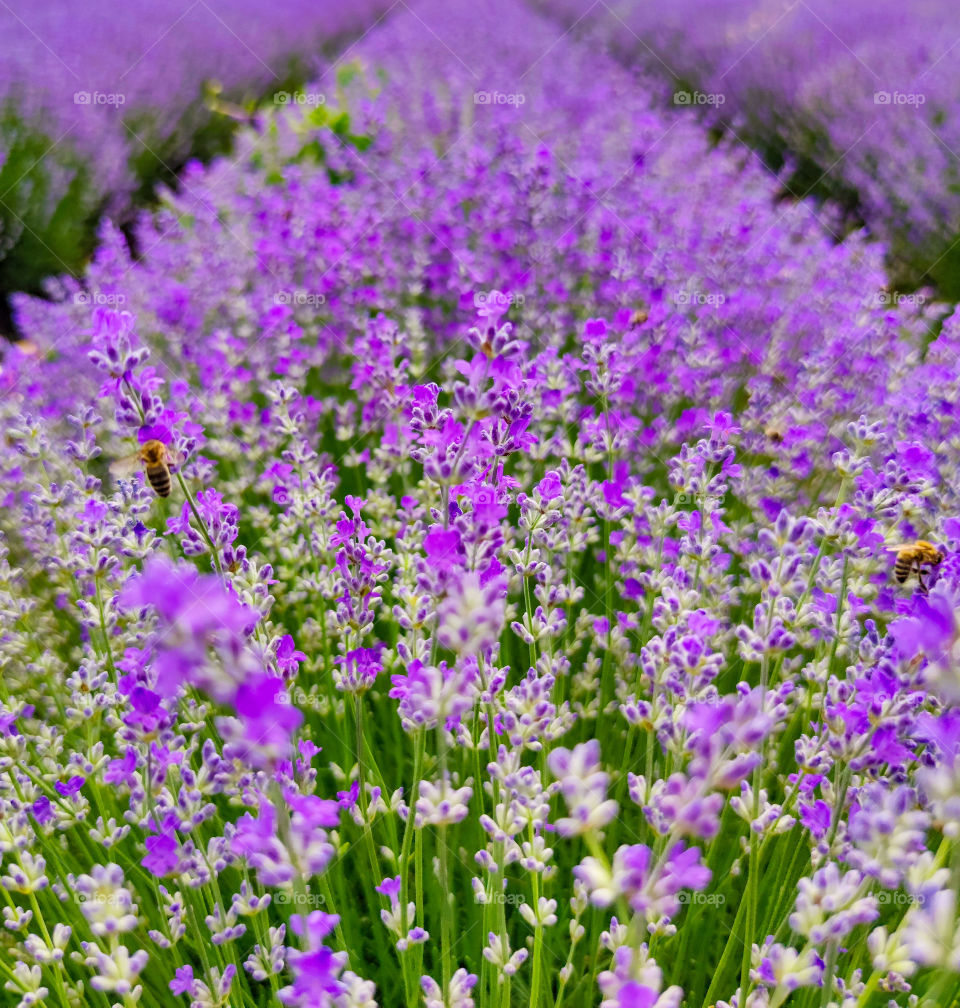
[
  {"x": 359, "y": 669},
  {"x": 931, "y": 630},
  {"x": 196, "y": 612},
  {"x": 182, "y": 983},
  {"x": 162, "y": 856},
  {"x": 67, "y": 789},
  {"x": 288, "y": 657},
  {"x": 316, "y": 969}
]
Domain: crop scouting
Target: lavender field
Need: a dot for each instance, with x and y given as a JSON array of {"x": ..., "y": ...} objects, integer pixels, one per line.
[{"x": 481, "y": 504}]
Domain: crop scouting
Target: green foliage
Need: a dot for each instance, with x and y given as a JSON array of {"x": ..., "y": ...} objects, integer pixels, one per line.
[
  {"x": 204, "y": 132},
  {"x": 48, "y": 206},
  {"x": 317, "y": 130}
]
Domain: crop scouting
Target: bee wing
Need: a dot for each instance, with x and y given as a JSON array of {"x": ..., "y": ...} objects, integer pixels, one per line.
[
  {"x": 122, "y": 467},
  {"x": 175, "y": 458}
]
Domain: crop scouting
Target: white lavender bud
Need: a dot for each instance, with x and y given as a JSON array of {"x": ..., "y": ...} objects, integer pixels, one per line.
[
  {"x": 890, "y": 953},
  {"x": 784, "y": 969},
  {"x": 441, "y": 805},
  {"x": 580, "y": 899},
  {"x": 246, "y": 903},
  {"x": 584, "y": 788},
  {"x": 43, "y": 953},
  {"x": 26, "y": 877},
  {"x": 830, "y": 906},
  {"x": 16, "y": 919},
  {"x": 357, "y": 993},
  {"x": 498, "y": 953},
  {"x": 536, "y": 854},
  {"x": 543, "y": 915},
  {"x": 615, "y": 936},
  {"x": 108, "y": 834},
  {"x": 115, "y": 971},
  {"x": 265, "y": 962},
  {"x": 931, "y": 933},
  {"x": 104, "y": 902},
  {"x": 27, "y": 983}
]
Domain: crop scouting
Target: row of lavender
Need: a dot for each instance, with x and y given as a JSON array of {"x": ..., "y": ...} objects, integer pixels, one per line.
[
  {"x": 515, "y": 632},
  {"x": 861, "y": 95},
  {"x": 99, "y": 102}
]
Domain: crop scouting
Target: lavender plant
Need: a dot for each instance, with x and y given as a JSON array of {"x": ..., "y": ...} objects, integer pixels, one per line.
[{"x": 520, "y": 627}]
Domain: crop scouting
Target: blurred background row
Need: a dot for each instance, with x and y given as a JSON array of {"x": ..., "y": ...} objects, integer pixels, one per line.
[
  {"x": 852, "y": 102},
  {"x": 853, "y": 105},
  {"x": 102, "y": 103}
]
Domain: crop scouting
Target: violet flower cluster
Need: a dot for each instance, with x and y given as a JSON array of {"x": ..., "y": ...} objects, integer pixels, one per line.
[{"x": 521, "y": 626}]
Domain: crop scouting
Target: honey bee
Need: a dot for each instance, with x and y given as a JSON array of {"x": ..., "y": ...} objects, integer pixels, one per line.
[
  {"x": 155, "y": 459},
  {"x": 638, "y": 317},
  {"x": 915, "y": 556}
]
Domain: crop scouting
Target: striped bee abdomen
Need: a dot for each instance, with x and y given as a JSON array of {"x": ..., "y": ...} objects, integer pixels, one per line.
[{"x": 159, "y": 479}]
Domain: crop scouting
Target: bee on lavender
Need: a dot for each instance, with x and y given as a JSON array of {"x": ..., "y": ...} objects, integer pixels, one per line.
[
  {"x": 639, "y": 316},
  {"x": 915, "y": 557},
  {"x": 155, "y": 459}
]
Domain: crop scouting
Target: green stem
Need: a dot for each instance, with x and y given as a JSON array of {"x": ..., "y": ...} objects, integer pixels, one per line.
[
  {"x": 108, "y": 654},
  {"x": 368, "y": 842},
  {"x": 537, "y": 940},
  {"x": 753, "y": 888},
  {"x": 446, "y": 916},
  {"x": 728, "y": 953},
  {"x": 410, "y": 981},
  {"x": 56, "y": 970},
  {"x": 214, "y": 555},
  {"x": 867, "y": 991},
  {"x": 787, "y": 895},
  {"x": 828, "y": 974}
]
